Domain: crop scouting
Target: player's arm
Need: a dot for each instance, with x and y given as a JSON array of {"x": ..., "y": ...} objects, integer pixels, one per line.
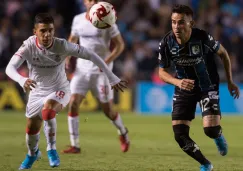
[
  {"x": 164, "y": 63},
  {"x": 119, "y": 46},
  {"x": 81, "y": 52},
  {"x": 167, "y": 77},
  {"x": 216, "y": 47},
  {"x": 12, "y": 67},
  {"x": 12, "y": 71},
  {"x": 223, "y": 54},
  {"x": 73, "y": 38}
]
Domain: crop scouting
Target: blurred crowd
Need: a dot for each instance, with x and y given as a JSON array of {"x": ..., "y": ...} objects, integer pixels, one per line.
[{"x": 142, "y": 23}]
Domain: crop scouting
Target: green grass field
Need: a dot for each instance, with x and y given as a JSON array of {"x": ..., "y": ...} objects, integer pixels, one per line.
[{"x": 152, "y": 145}]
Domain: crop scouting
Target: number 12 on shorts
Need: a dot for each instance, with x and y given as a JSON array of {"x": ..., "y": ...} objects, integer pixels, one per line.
[{"x": 206, "y": 104}]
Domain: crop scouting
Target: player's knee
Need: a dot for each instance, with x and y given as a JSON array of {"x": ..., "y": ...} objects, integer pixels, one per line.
[
  {"x": 181, "y": 132},
  {"x": 74, "y": 104},
  {"x": 48, "y": 114},
  {"x": 213, "y": 132}
]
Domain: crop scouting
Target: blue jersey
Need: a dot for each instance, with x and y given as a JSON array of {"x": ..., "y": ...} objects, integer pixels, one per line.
[{"x": 194, "y": 60}]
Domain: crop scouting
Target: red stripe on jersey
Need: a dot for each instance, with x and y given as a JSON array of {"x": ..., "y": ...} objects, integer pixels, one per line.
[
  {"x": 18, "y": 55},
  {"x": 36, "y": 42}
]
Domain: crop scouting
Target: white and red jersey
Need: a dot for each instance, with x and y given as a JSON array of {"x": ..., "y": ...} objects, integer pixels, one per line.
[
  {"x": 97, "y": 40},
  {"x": 46, "y": 65}
]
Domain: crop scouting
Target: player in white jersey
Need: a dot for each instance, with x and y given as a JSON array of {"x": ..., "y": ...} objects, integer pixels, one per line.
[
  {"x": 45, "y": 56},
  {"x": 97, "y": 40}
]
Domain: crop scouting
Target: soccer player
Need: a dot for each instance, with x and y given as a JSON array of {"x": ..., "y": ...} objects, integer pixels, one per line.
[
  {"x": 193, "y": 52},
  {"x": 47, "y": 82},
  {"x": 88, "y": 76}
]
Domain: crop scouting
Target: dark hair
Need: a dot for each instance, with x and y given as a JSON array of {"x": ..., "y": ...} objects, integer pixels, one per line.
[
  {"x": 44, "y": 18},
  {"x": 182, "y": 9}
]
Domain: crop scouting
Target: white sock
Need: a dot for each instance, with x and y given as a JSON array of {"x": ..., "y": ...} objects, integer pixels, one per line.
[
  {"x": 32, "y": 143},
  {"x": 50, "y": 128},
  {"x": 73, "y": 126},
  {"x": 119, "y": 124}
]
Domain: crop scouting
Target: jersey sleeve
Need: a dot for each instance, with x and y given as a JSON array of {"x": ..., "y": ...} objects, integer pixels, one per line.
[
  {"x": 164, "y": 56},
  {"x": 211, "y": 43},
  {"x": 16, "y": 61},
  {"x": 74, "y": 27},
  {"x": 24, "y": 51},
  {"x": 113, "y": 31}
]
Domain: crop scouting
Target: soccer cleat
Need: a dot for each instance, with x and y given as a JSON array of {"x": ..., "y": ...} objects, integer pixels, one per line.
[
  {"x": 72, "y": 150},
  {"x": 29, "y": 160},
  {"x": 53, "y": 158},
  {"x": 206, "y": 167},
  {"x": 221, "y": 145},
  {"x": 125, "y": 143}
]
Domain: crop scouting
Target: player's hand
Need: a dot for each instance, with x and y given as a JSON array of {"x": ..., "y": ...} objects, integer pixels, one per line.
[
  {"x": 186, "y": 84},
  {"x": 234, "y": 90},
  {"x": 29, "y": 85},
  {"x": 120, "y": 86}
]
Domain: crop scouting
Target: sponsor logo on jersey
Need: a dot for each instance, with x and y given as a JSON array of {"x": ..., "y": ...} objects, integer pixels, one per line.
[{"x": 187, "y": 61}]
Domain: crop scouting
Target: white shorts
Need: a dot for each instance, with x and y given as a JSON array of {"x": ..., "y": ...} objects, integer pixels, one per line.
[
  {"x": 36, "y": 101},
  {"x": 99, "y": 85}
]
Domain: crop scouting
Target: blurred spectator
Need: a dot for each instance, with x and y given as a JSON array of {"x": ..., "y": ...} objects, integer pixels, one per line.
[
  {"x": 142, "y": 23},
  {"x": 129, "y": 68}
]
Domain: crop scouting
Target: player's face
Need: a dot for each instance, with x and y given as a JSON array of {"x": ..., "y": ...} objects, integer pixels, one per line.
[
  {"x": 181, "y": 25},
  {"x": 44, "y": 33},
  {"x": 89, "y": 3}
]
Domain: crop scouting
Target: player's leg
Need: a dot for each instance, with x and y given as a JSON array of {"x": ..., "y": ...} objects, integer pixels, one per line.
[
  {"x": 32, "y": 139},
  {"x": 211, "y": 120},
  {"x": 79, "y": 87},
  {"x": 73, "y": 123},
  {"x": 53, "y": 104},
  {"x": 184, "y": 107},
  {"x": 103, "y": 92},
  {"x": 117, "y": 122},
  {"x": 51, "y": 107}
]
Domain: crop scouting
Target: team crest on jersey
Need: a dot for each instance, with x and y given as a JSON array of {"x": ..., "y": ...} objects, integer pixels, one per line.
[
  {"x": 57, "y": 58},
  {"x": 195, "y": 49}
]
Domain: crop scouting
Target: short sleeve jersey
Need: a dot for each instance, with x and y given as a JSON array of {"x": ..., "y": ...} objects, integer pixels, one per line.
[{"x": 193, "y": 60}]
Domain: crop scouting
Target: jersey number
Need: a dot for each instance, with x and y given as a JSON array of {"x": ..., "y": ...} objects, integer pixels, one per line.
[
  {"x": 104, "y": 89},
  {"x": 204, "y": 104},
  {"x": 60, "y": 94}
]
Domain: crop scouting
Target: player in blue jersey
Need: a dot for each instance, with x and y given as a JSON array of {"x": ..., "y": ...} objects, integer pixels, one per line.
[{"x": 193, "y": 52}]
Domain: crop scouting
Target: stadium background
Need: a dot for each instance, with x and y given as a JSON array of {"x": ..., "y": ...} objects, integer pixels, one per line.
[{"x": 142, "y": 23}]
